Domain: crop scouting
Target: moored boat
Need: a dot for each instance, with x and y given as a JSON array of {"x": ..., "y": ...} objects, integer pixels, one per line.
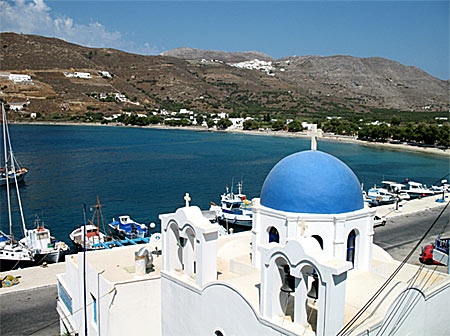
[
  {"x": 416, "y": 189},
  {"x": 380, "y": 196},
  {"x": 93, "y": 236},
  {"x": 125, "y": 227},
  {"x": 234, "y": 209},
  {"x": 88, "y": 235},
  {"x": 43, "y": 245}
]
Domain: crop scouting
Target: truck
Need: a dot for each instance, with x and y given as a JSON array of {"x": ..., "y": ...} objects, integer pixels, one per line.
[{"x": 441, "y": 246}]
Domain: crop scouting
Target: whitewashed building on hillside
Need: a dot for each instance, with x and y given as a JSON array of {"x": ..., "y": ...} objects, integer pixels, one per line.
[{"x": 19, "y": 78}]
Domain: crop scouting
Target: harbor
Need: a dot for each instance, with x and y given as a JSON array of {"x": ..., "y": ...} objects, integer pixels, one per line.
[{"x": 47, "y": 276}]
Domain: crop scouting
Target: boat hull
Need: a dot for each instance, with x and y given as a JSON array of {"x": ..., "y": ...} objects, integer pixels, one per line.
[
  {"x": 51, "y": 257},
  {"x": 20, "y": 178},
  {"x": 123, "y": 235},
  {"x": 235, "y": 222},
  {"x": 10, "y": 264}
]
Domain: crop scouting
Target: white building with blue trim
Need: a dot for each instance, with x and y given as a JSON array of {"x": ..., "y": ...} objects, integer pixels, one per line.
[{"x": 307, "y": 267}]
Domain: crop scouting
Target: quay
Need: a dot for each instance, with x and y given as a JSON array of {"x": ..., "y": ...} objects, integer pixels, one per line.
[{"x": 411, "y": 207}]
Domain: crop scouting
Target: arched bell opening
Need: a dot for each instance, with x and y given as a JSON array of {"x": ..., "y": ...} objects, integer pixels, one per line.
[
  {"x": 312, "y": 281},
  {"x": 286, "y": 288},
  {"x": 175, "y": 244},
  {"x": 274, "y": 235},
  {"x": 189, "y": 253}
]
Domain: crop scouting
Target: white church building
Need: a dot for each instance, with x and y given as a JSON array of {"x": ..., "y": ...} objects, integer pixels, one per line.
[{"x": 307, "y": 267}]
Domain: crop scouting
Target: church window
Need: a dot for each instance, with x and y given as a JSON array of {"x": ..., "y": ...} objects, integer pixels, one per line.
[
  {"x": 218, "y": 333},
  {"x": 319, "y": 239},
  {"x": 274, "y": 236},
  {"x": 351, "y": 246}
]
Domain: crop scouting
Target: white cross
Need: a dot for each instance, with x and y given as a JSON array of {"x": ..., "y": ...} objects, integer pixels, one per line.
[
  {"x": 314, "y": 137},
  {"x": 187, "y": 199},
  {"x": 303, "y": 226}
]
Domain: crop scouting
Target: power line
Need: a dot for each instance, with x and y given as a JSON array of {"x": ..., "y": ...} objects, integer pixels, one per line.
[{"x": 346, "y": 328}]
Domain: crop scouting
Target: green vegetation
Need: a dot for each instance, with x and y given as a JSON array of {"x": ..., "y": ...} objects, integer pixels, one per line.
[
  {"x": 429, "y": 134},
  {"x": 295, "y": 126},
  {"x": 224, "y": 123}
]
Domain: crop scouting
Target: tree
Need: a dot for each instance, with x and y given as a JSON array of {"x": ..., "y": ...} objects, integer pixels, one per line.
[
  {"x": 278, "y": 125},
  {"x": 210, "y": 123},
  {"x": 199, "y": 118},
  {"x": 395, "y": 121},
  {"x": 250, "y": 125},
  {"x": 224, "y": 123},
  {"x": 295, "y": 126}
]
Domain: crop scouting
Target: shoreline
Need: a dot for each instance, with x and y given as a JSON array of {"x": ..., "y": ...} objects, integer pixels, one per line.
[{"x": 337, "y": 138}]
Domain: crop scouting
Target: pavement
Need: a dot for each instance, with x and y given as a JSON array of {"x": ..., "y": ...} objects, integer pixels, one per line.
[
  {"x": 411, "y": 207},
  {"x": 33, "y": 277},
  {"x": 29, "y": 312}
]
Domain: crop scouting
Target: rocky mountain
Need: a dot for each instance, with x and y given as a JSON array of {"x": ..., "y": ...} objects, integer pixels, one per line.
[
  {"x": 205, "y": 81},
  {"x": 366, "y": 80},
  {"x": 227, "y": 57}
]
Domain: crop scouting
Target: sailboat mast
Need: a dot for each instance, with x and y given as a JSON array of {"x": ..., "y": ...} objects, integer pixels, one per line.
[
  {"x": 13, "y": 168},
  {"x": 6, "y": 172},
  {"x": 98, "y": 213}
]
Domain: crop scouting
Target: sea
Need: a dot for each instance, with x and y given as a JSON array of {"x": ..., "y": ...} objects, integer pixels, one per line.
[{"x": 145, "y": 172}]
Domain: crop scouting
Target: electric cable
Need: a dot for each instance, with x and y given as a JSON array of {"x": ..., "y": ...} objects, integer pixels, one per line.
[{"x": 346, "y": 328}]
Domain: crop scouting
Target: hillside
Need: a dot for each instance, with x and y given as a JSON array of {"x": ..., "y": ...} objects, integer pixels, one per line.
[
  {"x": 227, "y": 57},
  {"x": 203, "y": 80}
]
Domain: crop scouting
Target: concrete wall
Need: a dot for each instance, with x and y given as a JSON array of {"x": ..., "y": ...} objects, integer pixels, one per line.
[
  {"x": 217, "y": 308},
  {"x": 414, "y": 313},
  {"x": 123, "y": 308}
]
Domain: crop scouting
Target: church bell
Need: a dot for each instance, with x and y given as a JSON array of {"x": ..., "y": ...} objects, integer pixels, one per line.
[
  {"x": 288, "y": 281},
  {"x": 314, "y": 291}
]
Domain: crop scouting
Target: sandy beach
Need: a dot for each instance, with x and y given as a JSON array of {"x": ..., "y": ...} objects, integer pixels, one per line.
[{"x": 338, "y": 138}]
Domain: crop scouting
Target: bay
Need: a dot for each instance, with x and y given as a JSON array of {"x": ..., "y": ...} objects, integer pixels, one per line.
[{"x": 145, "y": 172}]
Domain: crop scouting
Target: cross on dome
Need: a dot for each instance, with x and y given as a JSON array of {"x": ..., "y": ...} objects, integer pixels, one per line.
[
  {"x": 187, "y": 199},
  {"x": 314, "y": 137},
  {"x": 303, "y": 226}
]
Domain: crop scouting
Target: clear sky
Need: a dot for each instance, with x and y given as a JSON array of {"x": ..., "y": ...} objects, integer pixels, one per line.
[{"x": 410, "y": 32}]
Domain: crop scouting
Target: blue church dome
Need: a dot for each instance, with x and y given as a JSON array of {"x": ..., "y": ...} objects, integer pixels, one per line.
[{"x": 312, "y": 182}]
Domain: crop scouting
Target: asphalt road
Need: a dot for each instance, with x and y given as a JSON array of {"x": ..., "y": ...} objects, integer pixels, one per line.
[
  {"x": 33, "y": 312},
  {"x": 401, "y": 234},
  {"x": 30, "y": 312}
]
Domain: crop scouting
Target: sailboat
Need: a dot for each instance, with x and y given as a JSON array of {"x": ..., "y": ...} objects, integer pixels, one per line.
[
  {"x": 93, "y": 234},
  {"x": 14, "y": 171},
  {"x": 13, "y": 253}
]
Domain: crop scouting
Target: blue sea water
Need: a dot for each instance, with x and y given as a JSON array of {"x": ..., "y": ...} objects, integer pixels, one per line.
[{"x": 146, "y": 172}]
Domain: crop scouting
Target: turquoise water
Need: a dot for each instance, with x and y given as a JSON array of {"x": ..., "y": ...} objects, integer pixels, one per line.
[{"x": 146, "y": 172}]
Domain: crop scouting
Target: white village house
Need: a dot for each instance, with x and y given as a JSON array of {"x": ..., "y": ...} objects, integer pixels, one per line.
[
  {"x": 19, "y": 78},
  {"x": 78, "y": 74},
  {"x": 307, "y": 267}
]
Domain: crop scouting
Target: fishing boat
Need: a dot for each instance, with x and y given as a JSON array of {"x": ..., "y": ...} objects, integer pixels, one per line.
[
  {"x": 234, "y": 209},
  {"x": 43, "y": 245},
  {"x": 416, "y": 189},
  {"x": 396, "y": 189},
  {"x": 379, "y": 196},
  {"x": 443, "y": 188},
  {"x": 89, "y": 233},
  {"x": 13, "y": 253},
  {"x": 125, "y": 227}
]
